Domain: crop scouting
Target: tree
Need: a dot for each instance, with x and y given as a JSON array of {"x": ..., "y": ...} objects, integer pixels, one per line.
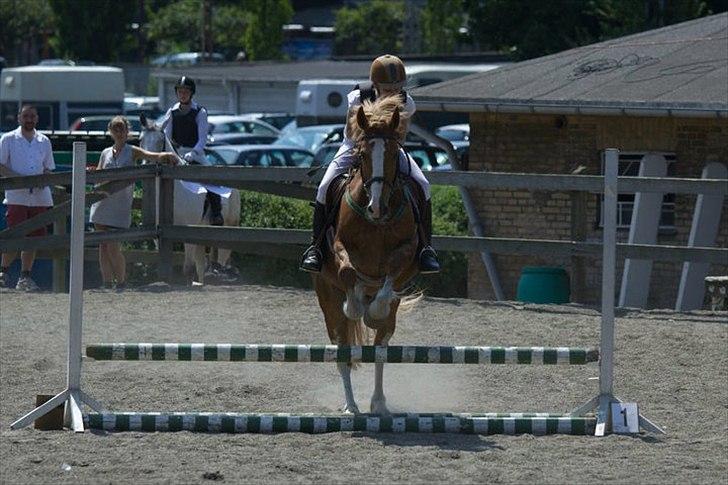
[
  {"x": 23, "y": 25},
  {"x": 373, "y": 27},
  {"x": 531, "y": 29},
  {"x": 95, "y": 30},
  {"x": 441, "y": 22},
  {"x": 264, "y": 35},
  {"x": 176, "y": 26}
]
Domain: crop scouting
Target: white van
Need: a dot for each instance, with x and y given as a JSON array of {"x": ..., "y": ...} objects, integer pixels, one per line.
[
  {"x": 61, "y": 93},
  {"x": 320, "y": 101}
]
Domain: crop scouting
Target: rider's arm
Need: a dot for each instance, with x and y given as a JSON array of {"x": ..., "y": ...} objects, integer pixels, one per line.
[
  {"x": 354, "y": 101},
  {"x": 202, "y": 129}
]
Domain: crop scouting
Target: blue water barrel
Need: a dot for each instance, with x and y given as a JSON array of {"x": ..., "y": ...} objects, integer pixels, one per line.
[{"x": 543, "y": 284}]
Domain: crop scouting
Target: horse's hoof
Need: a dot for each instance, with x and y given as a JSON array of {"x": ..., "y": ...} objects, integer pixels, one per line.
[
  {"x": 197, "y": 283},
  {"x": 350, "y": 409},
  {"x": 371, "y": 323}
]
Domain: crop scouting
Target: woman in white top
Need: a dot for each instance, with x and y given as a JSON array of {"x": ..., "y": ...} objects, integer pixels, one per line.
[
  {"x": 114, "y": 212},
  {"x": 387, "y": 77}
]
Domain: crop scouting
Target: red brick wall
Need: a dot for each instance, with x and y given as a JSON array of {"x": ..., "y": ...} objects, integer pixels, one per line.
[{"x": 559, "y": 144}]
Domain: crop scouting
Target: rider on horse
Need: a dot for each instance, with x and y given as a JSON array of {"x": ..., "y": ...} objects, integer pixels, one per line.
[
  {"x": 185, "y": 124},
  {"x": 387, "y": 77}
]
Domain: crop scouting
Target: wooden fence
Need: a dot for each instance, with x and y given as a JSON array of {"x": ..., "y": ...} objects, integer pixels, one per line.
[{"x": 295, "y": 182}]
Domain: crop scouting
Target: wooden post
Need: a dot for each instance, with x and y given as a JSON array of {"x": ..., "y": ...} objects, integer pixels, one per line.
[
  {"x": 149, "y": 202},
  {"x": 166, "y": 219},
  {"x": 60, "y": 282},
  {"x": 579, "y": 228}
]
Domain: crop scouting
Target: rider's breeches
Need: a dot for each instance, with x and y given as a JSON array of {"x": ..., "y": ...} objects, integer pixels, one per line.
[{"x": 341, "y": 165}]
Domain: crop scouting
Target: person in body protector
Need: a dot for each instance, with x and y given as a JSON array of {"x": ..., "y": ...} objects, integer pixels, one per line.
[
  {"x": 386, "y": 78},
  {"x": 185, "y": 124}
]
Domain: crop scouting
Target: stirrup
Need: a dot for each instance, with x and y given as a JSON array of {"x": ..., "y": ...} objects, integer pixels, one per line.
[
  {"x": 428, "y": 263},
  {"x": 312, "y": 260}
]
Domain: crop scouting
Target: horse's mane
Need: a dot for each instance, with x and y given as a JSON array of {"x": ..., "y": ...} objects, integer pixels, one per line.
[{"x": 378, "y": 114}]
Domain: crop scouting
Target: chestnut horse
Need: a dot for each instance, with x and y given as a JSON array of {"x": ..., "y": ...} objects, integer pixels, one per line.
[{"x": 371, "y": 253}]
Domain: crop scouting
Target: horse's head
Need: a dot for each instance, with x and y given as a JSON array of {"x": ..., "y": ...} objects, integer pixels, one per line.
[
  {"x": 377, "y": 131},
  {"x": 152, "y": 138}
]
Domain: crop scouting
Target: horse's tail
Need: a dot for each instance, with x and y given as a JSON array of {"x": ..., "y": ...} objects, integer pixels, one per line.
[
  {"x": 409, "y": 301},
  {"x": 359, "y": 335}
]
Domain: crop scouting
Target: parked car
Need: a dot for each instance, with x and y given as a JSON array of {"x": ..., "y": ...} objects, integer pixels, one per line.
[
  {"x": 187, "y": 59},
  {"x": 264, "y": 155},
  {"x": 221, "y": 124},
  {"x": 460, "y": 132},
  {"x": 427, "y": 157},
  {"x": 101, "y": 123},
  {"x": 135, "y": 105},
  {"x": 312, "y": 137},
  {"x": 277, "y": 120},
  {"x": 239, "y": 139}
]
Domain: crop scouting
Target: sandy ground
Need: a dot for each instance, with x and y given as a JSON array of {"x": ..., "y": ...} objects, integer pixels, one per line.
[{"x": 674, "y": 365}]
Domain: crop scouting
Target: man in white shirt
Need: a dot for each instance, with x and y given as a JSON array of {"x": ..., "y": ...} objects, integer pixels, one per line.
[{"x": 24, "y": 151}]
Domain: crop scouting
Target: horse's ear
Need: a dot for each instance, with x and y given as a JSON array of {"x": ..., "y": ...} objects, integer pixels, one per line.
[
  {"x": 394, "y": 122},
  {"x": 143, "y": 120},
  {"x": 361, "y": 119}
]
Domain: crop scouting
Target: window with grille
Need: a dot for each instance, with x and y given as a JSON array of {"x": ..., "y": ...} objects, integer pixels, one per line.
[{"x": 629, "y": 166}]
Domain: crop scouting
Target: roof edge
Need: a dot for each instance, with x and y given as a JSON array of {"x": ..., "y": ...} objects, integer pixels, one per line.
[{"x": 596, "y": 109}]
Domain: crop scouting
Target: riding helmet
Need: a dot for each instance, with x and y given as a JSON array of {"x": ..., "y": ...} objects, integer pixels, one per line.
[
  {"x": 387, "y": 70},
  {"x": 185, "y": 82}
]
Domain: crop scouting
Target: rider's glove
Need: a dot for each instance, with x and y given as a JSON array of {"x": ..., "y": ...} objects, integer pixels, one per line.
[{"x": 190, "y": 157}]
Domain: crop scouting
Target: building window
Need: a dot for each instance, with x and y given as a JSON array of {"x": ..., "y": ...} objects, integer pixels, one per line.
[{"x": 629, "y": 166}]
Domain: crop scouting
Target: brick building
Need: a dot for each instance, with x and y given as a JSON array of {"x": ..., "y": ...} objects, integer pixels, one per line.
[{"x": 662, "y": 91}]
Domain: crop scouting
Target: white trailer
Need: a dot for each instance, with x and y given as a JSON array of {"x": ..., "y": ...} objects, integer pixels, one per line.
[{"x": 61, "y": 93}]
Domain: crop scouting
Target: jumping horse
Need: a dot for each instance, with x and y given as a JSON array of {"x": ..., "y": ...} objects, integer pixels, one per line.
[
  {"x": 371, "y": 252},
  {"x": 189, "y": 204}
]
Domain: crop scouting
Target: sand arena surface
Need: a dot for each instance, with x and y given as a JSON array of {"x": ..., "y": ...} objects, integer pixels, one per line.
[{"x": 674, "y": 365}]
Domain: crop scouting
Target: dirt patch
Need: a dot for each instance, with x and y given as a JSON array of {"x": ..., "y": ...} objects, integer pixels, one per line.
[{"x": 674, "y": 365}]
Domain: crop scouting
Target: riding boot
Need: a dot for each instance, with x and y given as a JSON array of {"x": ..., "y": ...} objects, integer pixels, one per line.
[
  {"x": 215, "y": 201},
  {"x": 427, "y": 257},
  {"x": 313, "y": 257}
]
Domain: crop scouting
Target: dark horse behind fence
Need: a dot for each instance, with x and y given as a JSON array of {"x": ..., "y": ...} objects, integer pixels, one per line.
[{"x": 371, "y": 256}]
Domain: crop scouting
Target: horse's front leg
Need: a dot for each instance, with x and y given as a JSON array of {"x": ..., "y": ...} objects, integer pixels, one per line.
[
  {"x": 344, "y": 338},
  {"x": 379, "y": 308},
  {"x": 353, "y": 306},
  {"x": 379, "y": 402}
]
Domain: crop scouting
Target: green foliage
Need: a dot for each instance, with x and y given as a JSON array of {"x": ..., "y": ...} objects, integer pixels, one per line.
[
  {"x": 265, "y": 210},
  {"x": 373, "y": 27},
  {"x": 441, "y": 21},
  {"x": 531, "y": 29},
  {"x": 95, "y": 30},
  {"x": 176, "y": 27},
  {"x": 21, "y": 20},
  {"x": 264, "y": 35},
  {"x": 229, "y": 23},
  {"x": 448, "y": 219}
]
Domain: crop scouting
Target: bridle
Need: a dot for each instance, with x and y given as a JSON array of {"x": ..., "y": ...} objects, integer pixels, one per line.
[{"x": 397, "y": 182}]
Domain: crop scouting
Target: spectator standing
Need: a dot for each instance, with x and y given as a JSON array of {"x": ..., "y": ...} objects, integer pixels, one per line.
[
  {"x": 25, "y": 151},
  {"x": 114, "y": 212}
]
